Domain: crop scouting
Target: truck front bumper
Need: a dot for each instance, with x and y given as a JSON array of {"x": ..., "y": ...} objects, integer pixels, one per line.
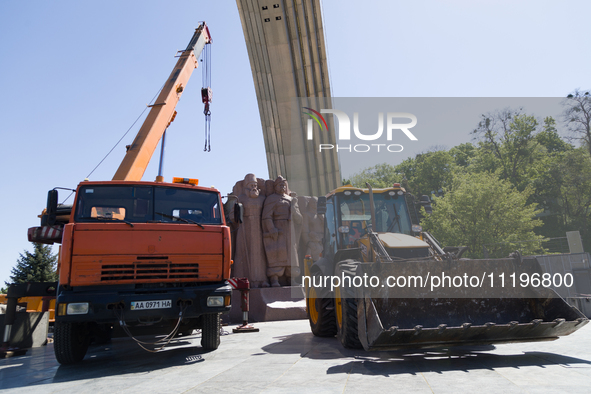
[{"x": 109, "y": 304}]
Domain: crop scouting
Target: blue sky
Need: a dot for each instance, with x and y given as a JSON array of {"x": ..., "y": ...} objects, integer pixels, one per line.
[{"x": 74, "y": 75}]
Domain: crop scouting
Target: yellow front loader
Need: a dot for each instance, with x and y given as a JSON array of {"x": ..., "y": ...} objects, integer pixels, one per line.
[{"x": 382, "y": 283}]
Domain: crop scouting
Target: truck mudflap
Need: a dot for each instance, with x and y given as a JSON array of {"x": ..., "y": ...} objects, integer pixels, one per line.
[{"x": 393, "y": 318}]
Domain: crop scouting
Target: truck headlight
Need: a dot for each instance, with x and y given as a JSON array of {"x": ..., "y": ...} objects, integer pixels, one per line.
[
  {"x": 77, "y": 308},
  {"x": 215, "y": 301}
]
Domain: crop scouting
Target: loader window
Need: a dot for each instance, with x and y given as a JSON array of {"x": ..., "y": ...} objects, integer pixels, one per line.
[
  {"x": 330, "y": 232},
  {"x": 355, "y": 212}
]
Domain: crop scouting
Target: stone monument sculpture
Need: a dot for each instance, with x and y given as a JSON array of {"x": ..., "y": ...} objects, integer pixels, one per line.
[
  {"x": 277, "y": 234},
  {"x": 313, "y": 229},
  {"x": 297, "y": 226},
  {"x": 279, "y": 228},
  {"x": 250, "y": 257}
]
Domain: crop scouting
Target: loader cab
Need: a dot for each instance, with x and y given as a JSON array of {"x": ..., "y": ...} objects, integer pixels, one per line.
[{"x": 348, "y": 216}]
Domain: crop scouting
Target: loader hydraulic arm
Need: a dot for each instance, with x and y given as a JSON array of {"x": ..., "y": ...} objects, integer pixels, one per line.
[{"x": 140, "y": 152}]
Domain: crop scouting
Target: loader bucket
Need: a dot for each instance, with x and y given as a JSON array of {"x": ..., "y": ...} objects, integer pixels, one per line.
[{"x": 394, "y": 318}]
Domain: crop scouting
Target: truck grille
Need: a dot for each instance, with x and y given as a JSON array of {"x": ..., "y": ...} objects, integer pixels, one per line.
[{"x": 143, "y": 270}]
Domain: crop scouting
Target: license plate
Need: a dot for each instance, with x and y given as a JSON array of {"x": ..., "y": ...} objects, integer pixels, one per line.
[{"x": 142, "y": 305}]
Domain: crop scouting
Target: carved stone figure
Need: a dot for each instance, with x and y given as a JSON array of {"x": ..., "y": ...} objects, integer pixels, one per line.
[
  {"x": 314, "y": 229},
  {"x": 277, "y": 233},
  {"x": 297, "y": 223},
  {"x": 250, "y": 258}
]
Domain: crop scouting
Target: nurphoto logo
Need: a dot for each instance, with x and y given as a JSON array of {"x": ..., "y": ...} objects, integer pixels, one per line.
[{"x": 344, "y": 130}]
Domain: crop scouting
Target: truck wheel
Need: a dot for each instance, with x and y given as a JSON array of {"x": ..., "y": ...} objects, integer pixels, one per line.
[
  {"x": 210, "y": 333},
  {"x": 70, "y": 342},
  {"x": 346, "y": 308},
  {"x": 321, "y": 315}
]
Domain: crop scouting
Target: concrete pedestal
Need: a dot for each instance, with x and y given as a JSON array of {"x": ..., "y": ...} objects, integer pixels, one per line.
[{"x": 270, "y": 304}]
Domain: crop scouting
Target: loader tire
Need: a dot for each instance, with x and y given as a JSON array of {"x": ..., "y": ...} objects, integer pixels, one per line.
[
  {"x": 210, "y": 333},
  {"x": 321, "y": 315},
  {"x": 70, "y": 342},
  {"x": 346, "y": 308}
]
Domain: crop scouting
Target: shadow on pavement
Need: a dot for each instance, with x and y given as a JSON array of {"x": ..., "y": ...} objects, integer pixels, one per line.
[
  {"x": 120, "y": 357},
  {"x": 449, "y": 360},
  {"x": 413, "y": 361}
]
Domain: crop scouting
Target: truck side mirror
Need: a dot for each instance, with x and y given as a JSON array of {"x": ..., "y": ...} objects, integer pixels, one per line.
[
  {"x": 51, "y": 212},
  {"x": 321, "y": 206},
  {"x": 238, "y": 213}
]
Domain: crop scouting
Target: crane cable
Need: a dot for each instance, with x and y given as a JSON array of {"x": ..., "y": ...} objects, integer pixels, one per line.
[
  {"x": 206, "y": 94},
  {"x": 120, "y": 139}
]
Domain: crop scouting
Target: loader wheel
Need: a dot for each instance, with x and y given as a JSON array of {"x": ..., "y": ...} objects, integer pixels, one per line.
[
  {"x": 70, "y": 342},
  {"x": 321, "y": 315},
  {"x": 346, "y": 308},
  {"x": 210, "y": 333}
]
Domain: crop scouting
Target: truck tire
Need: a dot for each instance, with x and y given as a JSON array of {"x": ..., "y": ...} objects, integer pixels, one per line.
[
  {"x": 346, "y": 308},
  {"x": 70, "y": 342},
  {"x": 210, "y": 333},
  {"x": 321, "y": 315}
]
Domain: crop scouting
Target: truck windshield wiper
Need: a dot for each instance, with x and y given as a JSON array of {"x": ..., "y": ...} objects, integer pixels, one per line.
[
  {"x": 107, "y": 218},
  {"x": 179, "y": 218}
]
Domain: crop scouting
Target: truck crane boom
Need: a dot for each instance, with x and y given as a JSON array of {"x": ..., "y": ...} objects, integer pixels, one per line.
[{"x": 140, "y": 152}]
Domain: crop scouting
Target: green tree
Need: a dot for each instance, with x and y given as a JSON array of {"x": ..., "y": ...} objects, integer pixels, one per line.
[
  {"x": 379, "y": 176},
  {"x": 577, "y": 116},
  {"x": 480, "y": 209},
  {"x": 38, "y": 266},
  {"x": 550, "y": 139},
  {"x": 433, "y": 172},
  {"x": 463, "y": 154},
  {"x": 570, "y": 181},
  {"x": 508, "y": 146}
]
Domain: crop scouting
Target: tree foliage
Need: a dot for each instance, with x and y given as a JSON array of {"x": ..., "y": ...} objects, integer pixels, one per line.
[
  {"x": 480, "y": 209},
  {"x": 379, "y": 176},
  {"x": 509, "y": 146},
  {"x": 577, "y": 116},
  {"x": 428, "y": 173},
  {"x": 570, "y": 178},
  {"x": 38, "y": 266},
  {"x": 518, "y": 181}
]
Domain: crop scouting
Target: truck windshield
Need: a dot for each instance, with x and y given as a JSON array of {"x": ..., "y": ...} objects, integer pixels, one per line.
[
  {"x": 143, "y": 204},
  {"x": 391, "y": 213}
]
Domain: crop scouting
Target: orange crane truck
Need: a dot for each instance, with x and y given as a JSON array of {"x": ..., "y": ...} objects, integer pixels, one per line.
[{"x": 148, "y": 257}]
